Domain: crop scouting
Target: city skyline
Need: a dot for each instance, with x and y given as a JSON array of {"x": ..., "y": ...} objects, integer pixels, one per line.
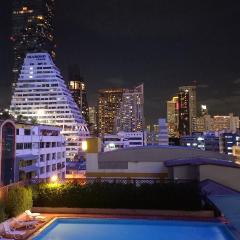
[{"x": 123, "y": 44}]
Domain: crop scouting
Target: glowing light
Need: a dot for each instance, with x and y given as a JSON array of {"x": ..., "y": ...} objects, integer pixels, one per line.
[
  {"x": 54, "y": 179},
  {"x": 84, "y": 146},
  {"x": 40, "y": 112}
]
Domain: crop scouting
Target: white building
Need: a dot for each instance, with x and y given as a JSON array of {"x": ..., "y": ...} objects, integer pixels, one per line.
[
  {"x": 163, "y": 132},
  {"x": 40, "y": 152},
  {"x": 41, "y": 93},
  {"x": 123, "y": 140}
]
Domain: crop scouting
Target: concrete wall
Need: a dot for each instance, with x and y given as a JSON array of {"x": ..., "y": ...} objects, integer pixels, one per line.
[
  {"x": 185, "y": 172},
  {"x": 115, "y": 169},
  {"x": 227, "y": 176}
]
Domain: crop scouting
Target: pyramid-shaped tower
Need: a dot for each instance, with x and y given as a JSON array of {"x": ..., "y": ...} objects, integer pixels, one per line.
[{"x": 41, "y": 93}]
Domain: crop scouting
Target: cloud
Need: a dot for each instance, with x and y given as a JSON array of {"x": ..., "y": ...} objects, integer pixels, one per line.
[
  {"x": 236, "y": 81},
  {"x": 202, "y": 86},
  {"x": 223, "y": 106},
  {"x": 116, "y": 81}
]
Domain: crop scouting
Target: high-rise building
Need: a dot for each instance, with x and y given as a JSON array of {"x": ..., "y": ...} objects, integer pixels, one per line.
[
  {"x": 32, "y": 30},
  {"x": 109, "y": 102},
  {"x": 93, "y": 120},
  {"x": 229, "y": 122},
  {"x": 130, "y": 117},
  {"x": 173, "y": 117},
  {"x": 41, "y": 93},
  {"x": 184, "y": 115},
  {"x": 78, "y": 89},
  {"x": 187, "y": 109}
]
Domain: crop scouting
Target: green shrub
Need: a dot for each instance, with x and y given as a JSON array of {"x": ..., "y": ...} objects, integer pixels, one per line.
[
  {"x": 175, "y": 196},
  {"x": 19, "y": 199},
  {"x": 2, "y": 212}
]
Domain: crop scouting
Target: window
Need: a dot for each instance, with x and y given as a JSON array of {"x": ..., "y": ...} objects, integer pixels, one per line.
[
  {"x": 42, "y": 170},
  {"x": 54, "y": 167},
  {"x": 17, "y": 131},
  {"x": 27, "y": 131},
  {"x": 59, "y": 155},
  {"x": 48, "y": 168},
  {"x": 41, "y": 144},
  {"x": 48, "y": 156},
  {"x": 48, "y": 145},
  {"x": 53, "y": 144},
  {"x": 42, "y": 158},
  {"x": 19, "y": 146},
  {"x": 27, "y": 145},
  {"x": 59, "y": 166},
  {"x": 54, "y": 156}
]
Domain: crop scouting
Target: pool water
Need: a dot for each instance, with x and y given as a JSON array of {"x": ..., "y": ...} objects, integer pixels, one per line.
[{"x": 131, "y": 229}]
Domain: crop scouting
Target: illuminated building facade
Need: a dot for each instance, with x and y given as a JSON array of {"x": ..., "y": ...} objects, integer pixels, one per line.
[
  {"x": 225, "y": 122},
  {"x": 78, "y": 89},
  {"x": 93, "y": 120},
  {"x": 184, "y": 114},
  {"x": 173, "y": 117},
  {"x": 130, "y": 117},
  {"x": 32, "y": 29},
  {"x": 109, "y": 102},
  {"x": 42, "y": 94},
  {"x": 187, "y": 102},
  {"x": 204, "y": 110},
  {"x": 40, "y": 152}
]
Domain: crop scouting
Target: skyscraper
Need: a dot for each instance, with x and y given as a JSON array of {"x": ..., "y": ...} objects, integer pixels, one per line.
[
  {"x": 173, "y": 117},
  {"x": 130, "y": 116},
  {"x": 187, "y": 109},
  {"x": 109, "y": 102},
  {"x": 184, "y": 114},
  {"x": 32, "y": 30},
  {"x": 78, "y": 89},
  {"x": 93, "y": 120},
  {"x": 41, "y": 93}
]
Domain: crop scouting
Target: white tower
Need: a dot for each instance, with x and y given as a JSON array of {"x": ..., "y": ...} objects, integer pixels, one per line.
[{"x": 41, "y": 93}]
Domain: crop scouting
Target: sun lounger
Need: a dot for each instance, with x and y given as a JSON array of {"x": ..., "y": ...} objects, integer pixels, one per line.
[
  {"x": 34, "y": 216},
  {"x": 2, "y": 238},
  {"x": 11, "y": 231},
  {"x": 26, "y": 224}
]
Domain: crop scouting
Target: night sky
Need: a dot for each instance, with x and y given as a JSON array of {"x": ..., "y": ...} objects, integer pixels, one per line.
[{"x": 162, "y": 43}]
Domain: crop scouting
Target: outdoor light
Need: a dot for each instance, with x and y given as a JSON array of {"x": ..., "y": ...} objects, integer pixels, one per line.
[
  {"x": 84, "y": 146},
  {"x": 40, "y": 112},
  {"x": 54, "y": 178}
]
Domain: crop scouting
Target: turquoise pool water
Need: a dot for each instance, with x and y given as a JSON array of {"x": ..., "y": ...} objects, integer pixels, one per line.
[{"x": 131, "y": 229}]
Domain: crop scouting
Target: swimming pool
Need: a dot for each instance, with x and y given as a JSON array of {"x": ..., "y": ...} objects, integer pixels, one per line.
[{"x": 124, "y": 229}]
